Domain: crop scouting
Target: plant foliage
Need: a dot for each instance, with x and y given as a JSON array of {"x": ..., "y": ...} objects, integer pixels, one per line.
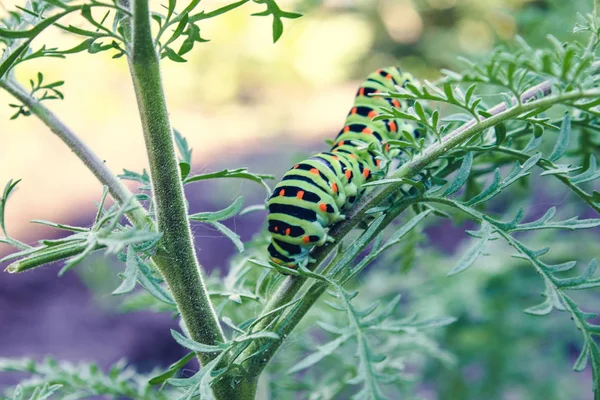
[{"x": 473, "y": 163}]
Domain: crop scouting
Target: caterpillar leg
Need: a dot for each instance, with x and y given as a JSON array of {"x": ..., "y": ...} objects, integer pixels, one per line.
[
  {"x": 323, "y": 240},
  {"x": 341, "y": 217}
]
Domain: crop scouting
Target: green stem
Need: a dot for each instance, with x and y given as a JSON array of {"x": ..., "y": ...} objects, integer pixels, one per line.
[
  {"x": 546, "y": 165},
  {"x": 295, "y": 315},
  {"x": 136, "y": 214},
  {"x": 593, "y": 41},
  {"x": 292, "y": 284},
  {"x": 175, "y": 255},
  {"x": 117, "y": 189},
  {"x": 211, "y": 14},
  {"x": 49, "y": 255}
]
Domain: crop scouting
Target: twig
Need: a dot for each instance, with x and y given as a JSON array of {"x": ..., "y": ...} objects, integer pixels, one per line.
[{"x": 117, "y": 189}]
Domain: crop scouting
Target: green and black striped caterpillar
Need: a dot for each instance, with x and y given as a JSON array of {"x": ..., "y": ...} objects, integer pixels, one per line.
[{"x": 314, "y": 193}]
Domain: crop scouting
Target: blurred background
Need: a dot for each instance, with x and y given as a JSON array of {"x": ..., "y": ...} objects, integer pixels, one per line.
[{"x": 242, "y": 101}]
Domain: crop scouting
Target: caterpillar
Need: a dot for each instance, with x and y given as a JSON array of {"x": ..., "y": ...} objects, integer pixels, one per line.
[{"x": 314, "y": 193}]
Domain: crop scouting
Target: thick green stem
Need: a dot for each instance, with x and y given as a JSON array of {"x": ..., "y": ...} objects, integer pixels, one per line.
[
  {"x": 175, "y": 255},
  {"x": 117, "y": 189}
]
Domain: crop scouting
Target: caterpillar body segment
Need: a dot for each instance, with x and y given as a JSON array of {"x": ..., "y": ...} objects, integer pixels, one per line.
[{"x": 314, "y": 194}]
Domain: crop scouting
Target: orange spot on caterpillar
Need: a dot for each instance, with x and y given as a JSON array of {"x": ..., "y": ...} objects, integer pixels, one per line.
[
  {"x": 323, "y": 206},
  {"x": 372, "y": 114},
  {"x": 396, "y": 103},
  {"x": 348, "y": 174},
  {"x": 378, "y": 162},
  {"x": 306, "y": 239},
  {"x": 388, "y": 77},
  {"x": 361, "y": 92},
  {"x": 276, "y": 229},
  {"x": 353, "y": 110},
  {"x": 346, "y": 128},
  {"x": 296, "y": 166},
  {"x": 335, "y": 157},
  {"x": 366, "y": 172},
  {"x": 314, "y": 171},
  {"x": 393, "y": 126},
  {"x": 367, "y": 131},
  {"x": 300, "y": 194},
  {"x": 341, "y": 143},
  {"x": 334, "y": 187},
  {"x": 387, "y": 147},
  {"x": 282, "y": 192},
  {"x": 288, "y": 231},
  {"x": 353, "y": 156}
]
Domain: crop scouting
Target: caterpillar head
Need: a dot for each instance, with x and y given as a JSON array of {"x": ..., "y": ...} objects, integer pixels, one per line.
[
  {"x": 405, "y": 78},
  {"x": 281, "y": 257},
  {"x": 291, "y": 265}
]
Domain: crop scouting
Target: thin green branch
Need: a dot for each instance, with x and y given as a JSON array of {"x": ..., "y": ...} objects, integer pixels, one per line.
[
  {"x": 211, "y": 14},
  {"x": 17, "y": 54},
  {"x": 192, "y": 18},
  {"x": 370, "y": 379},
  {"x": 546, "y": 165},
  {"x": 117, "y": 189},
  {"x": 469, "y": 130},
  {"x": 15, "y": 243},
  {"x": 49, "y": 21},
  {"x": 593, "y": 42}
]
